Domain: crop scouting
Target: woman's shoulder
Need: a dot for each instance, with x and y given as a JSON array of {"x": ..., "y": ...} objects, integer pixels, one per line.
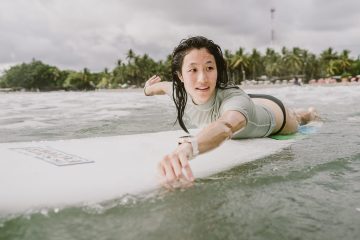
[
  {"x": 228, "y": 92},
  {"x": 234, "y": 99}
]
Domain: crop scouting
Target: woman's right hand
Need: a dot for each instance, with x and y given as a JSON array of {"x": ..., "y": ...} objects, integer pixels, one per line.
[
  {"x": 174, "y": 169},
  {"x": 151, "y": 81}
]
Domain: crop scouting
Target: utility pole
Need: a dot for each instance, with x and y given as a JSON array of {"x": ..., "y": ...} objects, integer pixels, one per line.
[{"x": 272, "y": 14}]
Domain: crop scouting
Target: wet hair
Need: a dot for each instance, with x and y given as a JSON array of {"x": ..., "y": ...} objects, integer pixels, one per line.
[{"x": 185, "y": 46}]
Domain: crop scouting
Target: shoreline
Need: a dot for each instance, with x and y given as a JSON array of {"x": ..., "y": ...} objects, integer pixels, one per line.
[{"x": 245, "y": 86}]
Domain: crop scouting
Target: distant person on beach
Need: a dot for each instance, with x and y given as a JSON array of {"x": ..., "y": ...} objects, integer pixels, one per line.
[
  {"x": 202, "y": 93},
  {"x": 297, "y": 81}
]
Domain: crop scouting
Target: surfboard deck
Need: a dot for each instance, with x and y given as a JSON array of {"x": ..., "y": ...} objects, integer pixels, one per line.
[{"x": 57, "y": 174}]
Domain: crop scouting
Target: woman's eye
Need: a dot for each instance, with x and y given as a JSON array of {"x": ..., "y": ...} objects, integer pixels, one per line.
[
  {"x": 210, "y": 68},
  {"x": 192, "y": 70}
]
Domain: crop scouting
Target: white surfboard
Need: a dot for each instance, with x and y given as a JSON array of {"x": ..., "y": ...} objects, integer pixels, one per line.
[{"x": 56, "y": 174}]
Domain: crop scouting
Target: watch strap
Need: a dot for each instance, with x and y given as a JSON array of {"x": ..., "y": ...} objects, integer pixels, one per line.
[{"x": 194, "y": 144}]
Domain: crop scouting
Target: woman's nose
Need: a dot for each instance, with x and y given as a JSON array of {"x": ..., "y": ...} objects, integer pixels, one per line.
[{"x": 202, "y": 77}]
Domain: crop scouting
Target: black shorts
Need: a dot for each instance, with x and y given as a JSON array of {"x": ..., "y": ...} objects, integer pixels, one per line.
[{"x": 278, "y": 102}]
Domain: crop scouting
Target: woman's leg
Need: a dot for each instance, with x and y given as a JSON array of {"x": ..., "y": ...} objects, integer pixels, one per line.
[
  {"x": 297, "y": 117},
  {"x": 305, "y": 116},
  {"x": 294, "y": 118}
]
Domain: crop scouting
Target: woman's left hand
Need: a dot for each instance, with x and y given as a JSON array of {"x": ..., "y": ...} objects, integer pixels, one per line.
[
  {"x": 151, "y": 81},
  {"x": 172, "y": 167}
]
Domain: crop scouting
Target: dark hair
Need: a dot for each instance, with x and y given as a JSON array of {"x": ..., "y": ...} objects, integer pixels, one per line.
[{"x": 185, "y": 46}]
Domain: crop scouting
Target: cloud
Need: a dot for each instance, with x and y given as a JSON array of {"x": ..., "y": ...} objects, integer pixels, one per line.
[{"x": 95, "y": 34}]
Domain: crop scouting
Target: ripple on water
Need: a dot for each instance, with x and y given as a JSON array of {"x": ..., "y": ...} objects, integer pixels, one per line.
[{"x": 26, "y": 124}]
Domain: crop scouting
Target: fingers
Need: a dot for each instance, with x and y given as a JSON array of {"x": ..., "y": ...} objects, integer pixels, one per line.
[
  {"x": 171, "y": 172},
  {"x": 154, "y": 79},
  {"x": 151, "y": 81},
  {"x": 181, "y": 183},
  {"x": 176, "y": 165},
  {"x": 162, "y": 177},
  {"x": 184, "y": 160}
]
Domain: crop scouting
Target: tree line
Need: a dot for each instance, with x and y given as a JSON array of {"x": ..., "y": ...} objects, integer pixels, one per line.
[{"x": 136, "y": 69}]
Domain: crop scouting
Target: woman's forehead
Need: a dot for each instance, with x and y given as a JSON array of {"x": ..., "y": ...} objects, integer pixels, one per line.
[{"x": 198, "y": 56}]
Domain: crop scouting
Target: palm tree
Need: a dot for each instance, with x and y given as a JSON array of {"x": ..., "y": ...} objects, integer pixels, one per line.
[
  {"x": 130, "y": 55},
  {"x": 166, "y": 68},
  {"x": 284, "y": 51},
  {"x": 272, "y": 63},
  {"x": 328, "y": 54},
  {"x": 292, "y": 61},
  {"x": 326, "y": 57},
  {"x": 118, "y": 62},
  {"x": 304, "y": 59},
  {"x": 312, "y": 67},
  {"x": 86, "y": 74},
  {"x": 228, "y": 56},
  {"x": 331, "y": 68},
  {"x": 240, "y": 62},
  {"x": 255, "y": 63},
  {"x": 344, "y": 62}
]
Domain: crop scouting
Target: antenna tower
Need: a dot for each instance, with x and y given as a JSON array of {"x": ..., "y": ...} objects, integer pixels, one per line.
[{"x": 272, "y": 14}]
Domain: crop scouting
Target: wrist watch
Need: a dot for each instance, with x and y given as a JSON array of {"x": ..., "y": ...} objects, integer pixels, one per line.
[{"x": 192, "y": 140}]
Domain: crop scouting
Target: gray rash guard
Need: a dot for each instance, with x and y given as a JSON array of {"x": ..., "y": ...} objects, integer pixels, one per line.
[{"x": 260, "y": 121}]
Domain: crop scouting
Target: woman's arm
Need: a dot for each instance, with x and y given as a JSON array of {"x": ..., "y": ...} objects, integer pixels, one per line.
[
  {"x": 219, "y": 131},
  {"x": 154, "y": 86},
  {"x": 172, "y": 165}
]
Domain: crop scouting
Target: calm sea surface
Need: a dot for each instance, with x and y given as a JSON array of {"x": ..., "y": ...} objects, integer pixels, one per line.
[{"x": 310, "y": 190}]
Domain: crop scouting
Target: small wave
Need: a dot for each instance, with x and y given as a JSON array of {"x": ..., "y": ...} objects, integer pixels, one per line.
[
  {"x": 27, "y": 215},
  {"x": 100, "y": 208},
  {"x": 126, "y": 200},
  {"x": 110, "y": 114},
  {"x": 353, "y": 119},
  {"x": 26, "y": 124}
]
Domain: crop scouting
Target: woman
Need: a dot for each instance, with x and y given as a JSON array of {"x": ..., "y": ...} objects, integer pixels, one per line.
[{"x": 201, "y": 92}]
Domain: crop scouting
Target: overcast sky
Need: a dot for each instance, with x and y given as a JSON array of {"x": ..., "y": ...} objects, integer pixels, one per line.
[{"x": 73, "y": 34}]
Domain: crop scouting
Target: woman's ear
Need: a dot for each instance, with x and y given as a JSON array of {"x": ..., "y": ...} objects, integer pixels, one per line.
[{"x": 180, "y": 76}]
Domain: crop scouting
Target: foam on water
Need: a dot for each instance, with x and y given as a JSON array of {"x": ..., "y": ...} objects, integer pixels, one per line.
[
  {"x": 26, "y": 124},
  {"x": 26, "y": 113},
  {"x": 315, "y": 95}
]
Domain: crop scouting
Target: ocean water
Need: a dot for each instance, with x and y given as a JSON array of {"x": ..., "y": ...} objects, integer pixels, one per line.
[{"x": 310, "y": 190}]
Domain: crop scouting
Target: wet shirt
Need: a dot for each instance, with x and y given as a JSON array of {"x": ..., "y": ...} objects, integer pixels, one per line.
[{"x": 259, "y": 119}]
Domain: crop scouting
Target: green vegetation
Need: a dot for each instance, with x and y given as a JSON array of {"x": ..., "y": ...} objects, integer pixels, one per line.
[{"x": 137, "y": 69}]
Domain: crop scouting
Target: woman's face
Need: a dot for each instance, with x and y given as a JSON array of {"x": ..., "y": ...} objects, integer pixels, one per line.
[{"x": 199, "y": 75}]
